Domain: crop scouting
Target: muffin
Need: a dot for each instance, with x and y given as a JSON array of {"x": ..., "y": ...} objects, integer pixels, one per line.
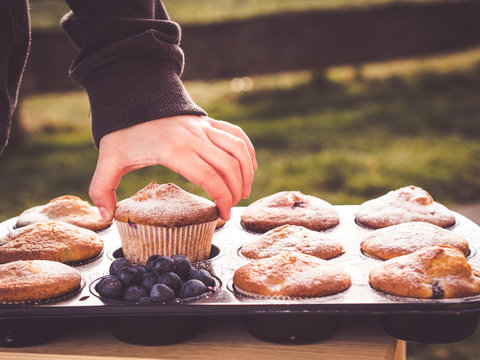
[
  {"x": 56, "y": 241},
  {"x": 165, "y": 220},
  {"x": 68, "y": 208},
  {"x": 289, "y": 238},
  {"x": 402, "y": 239},
  {"x": 289, "y": 207},
  {"x": 434, "y": 272},
  {"x": 290, "y": 275},
  {"x": 406, "y": 204},
  {"x": 36, "y": 280}
]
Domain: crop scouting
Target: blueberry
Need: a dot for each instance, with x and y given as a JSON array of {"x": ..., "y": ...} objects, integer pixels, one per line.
[
  {"x": 145, "y": 300},
  {"x": 117, "y": 264},
  {"x": 192, "y": 288},
  {"x": 182, "y": 266},
  {"x": 162, "y": 265},
  {"x": 128, "y": 275},
  {"x": 172, "y": 280},
  {"x": 110, "y": 287},
  {"x": 202, "y": 275},
  {"x": 141, "y": 270},
  {"x": 148, "y": 280},
  {"x": 162, "y": 293},
  {"x": 150, "y": 262},
  {"x": 134, "y": 293}
]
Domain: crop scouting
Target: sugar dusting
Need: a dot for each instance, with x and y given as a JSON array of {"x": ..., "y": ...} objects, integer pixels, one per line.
[
  {"x": 165, "y": 205},
  {"x": 289, "y": 207},
  {"x": 292, "y": 274},
  {"x": 288, "y": 238},
  {"x": 406, "y": 204},
  {"x": 419, "y": 273},
  {"x": 408, "y": 237}
]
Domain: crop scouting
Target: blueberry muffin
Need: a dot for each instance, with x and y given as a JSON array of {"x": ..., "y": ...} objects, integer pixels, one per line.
[
  {"x": 402, "y": 239},
  {"x": 406, "y": 204},
  {"x": 289, "y": 238},
  {"x": 289, "y": 207},
  {"x": 166, "y": 220},
  {"x": 36, "y": 280},
  {"x": 290, "y": 275},
  {"x": 55, "y": 241},
  {"x": 434, "y": 272},
  {"x": 68, "y": 208}
]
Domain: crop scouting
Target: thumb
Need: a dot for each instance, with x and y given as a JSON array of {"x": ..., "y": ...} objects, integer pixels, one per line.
[{"x": 102, "y": 189}]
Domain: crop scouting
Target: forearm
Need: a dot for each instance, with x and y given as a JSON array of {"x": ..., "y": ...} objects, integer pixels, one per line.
[{"x": 129, "y": 62}]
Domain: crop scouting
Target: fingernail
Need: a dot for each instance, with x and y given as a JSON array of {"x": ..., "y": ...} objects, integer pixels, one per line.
[
  {"x": 105, "y": 214},
  {"x": 246, "y": 194}
]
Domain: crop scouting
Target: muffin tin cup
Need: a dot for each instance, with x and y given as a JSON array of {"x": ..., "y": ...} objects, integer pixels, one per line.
[
  {"x": 139, "y": 241},
  {"x": 292, "y": 328},
  {"x": 431, "y": 328},
  {"x": 154, "y": 330},
  {"x": 281, "y": 320},
  {"x": 30, "y": 332}
]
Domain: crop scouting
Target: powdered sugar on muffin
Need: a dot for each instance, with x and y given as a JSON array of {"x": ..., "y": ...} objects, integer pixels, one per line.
[
  {"x": 163, "y": 219},
  {"x": 434, "y": 272},
  {"x": 165, "y": 205},
  {"x": 292, "y": 275},
  {"x": 67, "y": 208},
  {"x": 410, "y": 203},
  {"x": 402, "y": 239},
  {"x": 289, "y": 207},
  {"x": 288, "y": 238}
]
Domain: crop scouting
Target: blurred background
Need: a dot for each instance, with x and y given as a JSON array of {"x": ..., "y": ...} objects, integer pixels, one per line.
[{"x": 342, "y": 99}]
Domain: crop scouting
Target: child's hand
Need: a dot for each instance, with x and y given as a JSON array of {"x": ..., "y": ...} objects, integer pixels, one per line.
[{"x": 216, "y": 155}]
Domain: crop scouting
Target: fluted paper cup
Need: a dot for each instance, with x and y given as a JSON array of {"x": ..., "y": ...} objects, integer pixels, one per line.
[{"x": 139, "y": 242}]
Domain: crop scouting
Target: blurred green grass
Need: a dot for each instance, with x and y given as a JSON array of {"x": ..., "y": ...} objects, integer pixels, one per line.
[{"x": 47, "y": 13}]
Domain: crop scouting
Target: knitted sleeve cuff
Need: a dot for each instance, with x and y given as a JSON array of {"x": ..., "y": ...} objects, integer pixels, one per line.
[
  {"x": 133, "y": 90},
  {"x": 133, "y": 81}
]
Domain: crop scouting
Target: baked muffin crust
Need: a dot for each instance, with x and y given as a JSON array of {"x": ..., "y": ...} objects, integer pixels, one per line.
[
  {"x": 67, "y": 208},
  {"x": 34, "y": 280},
  {"x": 405, "y": 238},
  {"x": 289, "y": 207},
  {"x": 289, "y": 238},
  {"x": 291, "y": 275},
  {"x": 165, "y": 205},
  {"x": 410, "y": 203},
  {"x": 434, "y": 272},
  {"x": 56, "y": 241}
]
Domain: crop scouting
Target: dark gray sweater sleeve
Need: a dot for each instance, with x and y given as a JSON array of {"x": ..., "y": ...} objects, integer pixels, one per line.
[
  {"x": 14, "y": 45},
  {"x": 129, "y": 62}
]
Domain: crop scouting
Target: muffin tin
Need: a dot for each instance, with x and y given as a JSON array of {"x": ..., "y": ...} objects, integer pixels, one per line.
[{"x": 286, "y": 321}]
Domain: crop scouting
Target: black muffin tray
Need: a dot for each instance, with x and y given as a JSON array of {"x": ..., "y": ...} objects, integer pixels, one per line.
[{"x": 286, "y": 321}]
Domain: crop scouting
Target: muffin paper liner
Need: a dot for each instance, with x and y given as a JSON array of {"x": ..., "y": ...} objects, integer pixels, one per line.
[{"x": 139, "y": 242}]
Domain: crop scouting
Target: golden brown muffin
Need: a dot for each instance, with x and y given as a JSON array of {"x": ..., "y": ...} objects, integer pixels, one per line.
[
  {"x": 56, "y": 241},
  {"x": 67, "y": 208},
  {"x": 434, "y": 272},
  {"x": 165, "y": 205},
  {"x": 402, "y": 239},
  {"x": 406, "y": 204},
  {"x": 35, "y": 280},
  {"x": 291, "y": 275},
  {"x": 165, "y": 220},
  {"x": 289, "y": 207},
  {"x": 289, "y": 238}
]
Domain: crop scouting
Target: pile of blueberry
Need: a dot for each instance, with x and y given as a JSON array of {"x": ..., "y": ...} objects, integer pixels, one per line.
[{"x": 162, "y": 279}]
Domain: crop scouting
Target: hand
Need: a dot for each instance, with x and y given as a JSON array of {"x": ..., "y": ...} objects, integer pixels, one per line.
[{"x": 214, "y": 154}]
